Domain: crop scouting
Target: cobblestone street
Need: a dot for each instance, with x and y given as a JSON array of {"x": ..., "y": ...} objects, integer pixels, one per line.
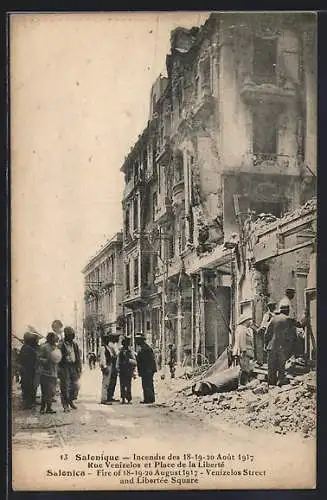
[{"x": 49, "y": 440}]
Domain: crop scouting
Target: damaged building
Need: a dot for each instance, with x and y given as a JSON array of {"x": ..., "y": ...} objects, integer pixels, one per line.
[{"x": 215, "y": 186}]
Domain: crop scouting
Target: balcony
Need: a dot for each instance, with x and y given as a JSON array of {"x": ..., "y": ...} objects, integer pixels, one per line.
[
  {"x": 204, "y": 105},
  {"x": 271, "y": 163},
  {"x": 254, "y": 90},
  {"x": 149, "y": 289},
  {"x": 178, "y": 192},
  {"x": 163, "y": 210},
  {"x": 107, "y": 281},
  {"x": 164, "y": 151}
]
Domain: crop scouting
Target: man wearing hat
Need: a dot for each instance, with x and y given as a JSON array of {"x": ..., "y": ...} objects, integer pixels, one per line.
[
  {"x": 108, "y": 360},
  {"x": 70, "y": 369},
  {"x": 126, "y": 364},
  {"x": 271, "y": 306},
  {"x": 243, "y": 349},
  {"x": 113, "y": 345},
  {"x": 57, "y": 328},
  {"x": 146, "y": 366},
  {"x": 287, "y": 301},
  {"x": 279, "y": 340}
]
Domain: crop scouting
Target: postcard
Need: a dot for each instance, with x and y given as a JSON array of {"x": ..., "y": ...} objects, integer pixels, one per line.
[{"x": 163, "y": 228}]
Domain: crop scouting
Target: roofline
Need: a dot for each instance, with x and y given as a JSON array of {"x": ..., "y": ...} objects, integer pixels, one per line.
[{"x": 113, "y": 241}]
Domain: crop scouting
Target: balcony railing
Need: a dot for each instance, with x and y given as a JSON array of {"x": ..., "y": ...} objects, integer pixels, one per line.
[
  {"x": 107, "y": 281},
  {"x": 267, "y": 159},
  {"x": 163, "y": 151}
]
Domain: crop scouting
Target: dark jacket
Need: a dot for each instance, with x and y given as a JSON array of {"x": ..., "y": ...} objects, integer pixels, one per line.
[
  {"x": 280, "y": 333},
  {"x": 126, "y": 361},
  {"x": 78, "y": 363},
  {"x": 28, "y": 360},
  {"x": 146, "y": 362}
]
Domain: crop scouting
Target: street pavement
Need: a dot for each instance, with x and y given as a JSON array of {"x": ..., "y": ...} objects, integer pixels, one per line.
[{"x": 52, "y": 442}]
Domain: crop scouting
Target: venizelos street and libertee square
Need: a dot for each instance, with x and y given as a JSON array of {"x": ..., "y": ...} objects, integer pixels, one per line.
[{"x": 192, "y": 337}]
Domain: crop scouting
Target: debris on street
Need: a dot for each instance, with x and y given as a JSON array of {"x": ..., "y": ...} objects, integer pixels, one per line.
[{"x": 290, "y": 408}]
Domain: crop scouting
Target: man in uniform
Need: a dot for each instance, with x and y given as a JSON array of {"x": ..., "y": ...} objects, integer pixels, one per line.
[
  {"x": 146, "y": 366},
  {"x": 279, "y": 342}
]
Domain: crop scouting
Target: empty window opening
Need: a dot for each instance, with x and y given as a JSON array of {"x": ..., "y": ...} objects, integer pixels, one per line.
[{"x": 264, "y": 60}]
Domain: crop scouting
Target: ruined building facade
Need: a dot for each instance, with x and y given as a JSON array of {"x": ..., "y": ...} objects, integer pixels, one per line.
[{"x": 231, "y": 135}]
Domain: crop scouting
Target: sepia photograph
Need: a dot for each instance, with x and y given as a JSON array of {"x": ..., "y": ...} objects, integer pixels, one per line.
[{"x": 163, "y": 170}]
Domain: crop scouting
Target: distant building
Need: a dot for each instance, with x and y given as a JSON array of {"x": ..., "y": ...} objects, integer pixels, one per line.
[{"x": 103, "y": 292}]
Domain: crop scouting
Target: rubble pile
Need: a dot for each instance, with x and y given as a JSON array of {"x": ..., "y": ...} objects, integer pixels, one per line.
[
  {"x": 264, "y": 220},
  {"x": 290, "y": 408}
]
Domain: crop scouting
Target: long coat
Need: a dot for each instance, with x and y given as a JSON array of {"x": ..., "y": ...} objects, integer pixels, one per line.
[
  {"x": 281, "y": 334},
  {"x": 146, "y": 362}
]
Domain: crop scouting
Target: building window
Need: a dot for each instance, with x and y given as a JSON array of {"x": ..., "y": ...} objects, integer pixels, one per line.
[
  {"x": 265, "y": 133},
  {"x": 127, "y": 279},
  {"x": 135, "y": 214},
  {"x": 206, "y": 75},
  {"x": 127, "y": 222},
  {"x": 158, "y": 178},
  {"x": 179, "y": 99},
  {"x": 136, "y": 272},
  {"x": 196, "y": 87},
  {"x": 136, "y": 170},
  {"x": 154, "y": 204},
  {"x": 110, "y": 304},
  {"x": 264, "y": 60},
  {"x": 112, "y": 267},
  {"x": 154, "y": 264},
  {"x": 171, "y": 246},
  {"x": 179, "y": 167}
]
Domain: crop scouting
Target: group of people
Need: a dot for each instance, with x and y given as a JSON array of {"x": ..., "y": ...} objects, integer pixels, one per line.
[
  {"x": 58, "y": 358},
  {"x": 275, "y": 340},
  {"x": 124, "y": 363}
]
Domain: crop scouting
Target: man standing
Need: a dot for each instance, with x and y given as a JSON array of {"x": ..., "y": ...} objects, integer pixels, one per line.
[
  {"x": 50, "y": 357},
  {"x": 243, "y": 349},
  {"x": 146, "y": 366},
  {"x": 260, "y": 337},
  {"x": 70, "y": 369},
  {"x": 279, "y": 341},
  {"x": 113, "y": 345},
  {"x": 172, "y": 359},
  {"x": 126, "y": 364},
  {"x": 107, "y": 360}
]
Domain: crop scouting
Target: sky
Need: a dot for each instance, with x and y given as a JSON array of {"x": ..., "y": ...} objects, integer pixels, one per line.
[{"x": 80, "y": 87}]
